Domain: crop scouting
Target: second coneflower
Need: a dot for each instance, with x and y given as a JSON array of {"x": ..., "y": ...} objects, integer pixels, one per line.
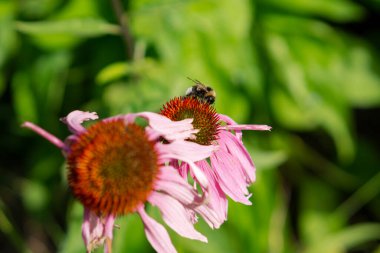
[
  {"x": 229, "y": 169},
  {"x": 115, "y": 167}
]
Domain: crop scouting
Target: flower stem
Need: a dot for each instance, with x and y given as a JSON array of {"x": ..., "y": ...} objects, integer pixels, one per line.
[{"x": 123, "y": 22}]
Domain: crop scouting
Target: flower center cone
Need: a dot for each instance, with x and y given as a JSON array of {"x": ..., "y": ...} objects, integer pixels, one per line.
[
  {"x": 204, "y": 116},
  {"x": 112, "y": 167}
]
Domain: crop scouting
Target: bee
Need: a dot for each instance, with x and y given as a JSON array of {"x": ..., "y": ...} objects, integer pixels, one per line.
[{"x": 201, "y": 92}]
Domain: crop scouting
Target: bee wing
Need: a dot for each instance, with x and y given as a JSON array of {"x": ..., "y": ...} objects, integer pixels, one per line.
[{"x": 189, "y": 91}]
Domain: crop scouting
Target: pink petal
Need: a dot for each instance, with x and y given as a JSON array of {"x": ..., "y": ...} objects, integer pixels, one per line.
[
  {"x": 86, "y": 227},
  {"x": 174, "y": 152},
  {"x": 175, "y": 215},
  {"x": 232, "y": 125},
  {"x": 174, "y": 185},
  {"x": 152, "y": 134},
  {"x": 235, "y": 147},
  {"x": 231, "y": 122},
  {"x": 214, "y": 210},
  {"x": 171, "y": 183},
  {"x": 227, "y": 119},
  {"x": 170, "y": 130},
  {"x": 199, "y": 175},
  {"x": 108, "y": 232},
  {"x": 230, "y": 176},
  {"x": 247, "y": 127},
  {"x": 156, "y": 233},
  {"x": 92, "y": 230},
  {"x": 209, "y": 215},
  {"x": 218, "y": 200},
  {"x": 180, "y": 134},
  {"x": 187, "y": 149},
  {"x": 182, "y": 170},
  {"x": 75, "y": 119},
  {"x": 54, "y": 140}
]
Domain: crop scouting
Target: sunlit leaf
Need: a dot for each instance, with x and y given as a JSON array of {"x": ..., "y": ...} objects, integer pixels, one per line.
[
  {"x": 73, "y": 27},
  {"x": 346, "y": 239},
  {"x": 337, "y": 10},
  {"x": 112, "y": 72},
  {"x": 361, "y": 80},
  {"x": 24, "y": 100},
  {"x": 35, "y": 196}
]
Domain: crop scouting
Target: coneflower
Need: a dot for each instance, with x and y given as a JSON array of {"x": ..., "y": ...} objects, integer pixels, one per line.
[
  {"x": 115, "y": 167},
  {"x": 229, "y": 169}
]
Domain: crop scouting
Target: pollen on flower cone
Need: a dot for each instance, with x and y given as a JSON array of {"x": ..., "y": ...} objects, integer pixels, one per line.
[{"x": 112, "y": 167}]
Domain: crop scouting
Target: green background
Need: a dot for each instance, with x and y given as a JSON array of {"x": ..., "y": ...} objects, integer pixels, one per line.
[{"x": 310, "y": 69}]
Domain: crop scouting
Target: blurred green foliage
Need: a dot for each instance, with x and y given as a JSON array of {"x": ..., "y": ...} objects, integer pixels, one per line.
[{"x": 308, "y": 68}]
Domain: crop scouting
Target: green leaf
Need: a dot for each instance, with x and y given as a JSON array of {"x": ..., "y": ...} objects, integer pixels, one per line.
[
  {"x": 24, "y": 101},
  {"x": 290, "y": 114},
  {"x": 335, "y": 124},
  {"x": 37, "y": 9},
  {"x": 337, "y": 10},
  {"x": 88, "y": 27},
  {"x": 112, "y": 72},
  {"x": 7, "y": 8},
  {"x": 361, "y": 86},
  {"x": 346, "y": 239},
  {"x": 35, "y": 196},
  {"x": 63, "y": 34},
  {"x": 267, "y": 160}
]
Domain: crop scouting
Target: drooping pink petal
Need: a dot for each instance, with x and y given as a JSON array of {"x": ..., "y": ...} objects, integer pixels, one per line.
[
  {"x": 187, "y": 149},
  {"x": 182, "y": 170},
  {"x": 235, "y": 147},
  {"x": 183, "y": 155},
  {"x": 175, "y": 215},
  {"x": 174, "y": 185},
  {"x": 170, "y": 182},
  {"x": 170, "y": 130},
  {"x": 208, "y": 214},
  {"x": 86, "y": 228},
  {"x": 48, "y": 136},
  {"x": 92, "y": 230},
  {"x": 75, "y": 119},
  {"x": 156, "y": 233},
  {"x": 200, "y": 176},
  {"x": 108, "y": 232},
  {"x": 192, "y": 216},
  {"x": 218, "y": 200},
  {"x": 233, "y": 168},
  {"x": 180, "y": 134},
  {"x": 152, "y": 134},
  {"x": 230, "y": 177}
]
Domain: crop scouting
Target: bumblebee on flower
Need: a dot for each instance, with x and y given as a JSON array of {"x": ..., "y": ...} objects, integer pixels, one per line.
[{"x": 229, "y": 169}]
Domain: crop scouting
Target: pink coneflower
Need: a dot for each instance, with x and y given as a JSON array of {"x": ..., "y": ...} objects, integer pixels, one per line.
[
  {"x": 115, "y": 167},
  {"x": 229, "y": 169}
]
